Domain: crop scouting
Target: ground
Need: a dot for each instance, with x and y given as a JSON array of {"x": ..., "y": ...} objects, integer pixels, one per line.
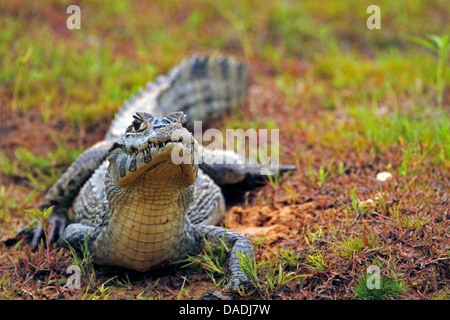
[{"x": 349, "y": 103}]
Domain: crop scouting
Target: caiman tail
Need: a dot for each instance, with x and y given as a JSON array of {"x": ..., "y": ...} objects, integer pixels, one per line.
[{"x": 204, "y": 88}]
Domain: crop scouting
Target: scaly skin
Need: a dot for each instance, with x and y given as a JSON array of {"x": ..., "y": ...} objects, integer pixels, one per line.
[
  {"x": 146, "y": 223},
  {"x": 133, "y": 205}
]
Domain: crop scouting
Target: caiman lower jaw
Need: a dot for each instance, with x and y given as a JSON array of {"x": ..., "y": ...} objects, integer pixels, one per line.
[{"x": 126, "y": 167}]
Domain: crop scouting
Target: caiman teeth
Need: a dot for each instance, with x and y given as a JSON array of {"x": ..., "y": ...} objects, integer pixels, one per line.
[{"x": 158, "y": 145}]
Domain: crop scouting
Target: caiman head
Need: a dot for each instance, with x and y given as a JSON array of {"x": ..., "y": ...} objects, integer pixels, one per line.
[{"x": 163, "y": 148}]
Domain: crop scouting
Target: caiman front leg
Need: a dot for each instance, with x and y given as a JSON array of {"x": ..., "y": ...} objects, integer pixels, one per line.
[
  {"x": 216, "y": 237},
  {"x": 77, "y": 236},
  {"x": 62, "y": 194},
  {"x": 229, "y": 168}
]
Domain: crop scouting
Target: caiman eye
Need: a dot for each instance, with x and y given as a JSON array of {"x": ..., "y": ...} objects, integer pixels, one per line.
[
  {"x": 183, "y": 121},
  {"x": 137, "y": 126}
]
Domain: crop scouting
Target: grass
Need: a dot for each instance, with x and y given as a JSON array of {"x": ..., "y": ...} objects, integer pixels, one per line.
[
  {"x": 212, "y": 262},
  {"x": 43, "y": 218},
  {"x": 353, "y": 245},
  {"x": 439, "y": 45},
  {"x": 388, "y": 288},
  {"x": 83, "y": 262},
  {"x": 349, "y": 102},
  {"x": 316, "y": 261},
  {"x": 270, "y": 275},
  {"x": 102, "y": 293}
]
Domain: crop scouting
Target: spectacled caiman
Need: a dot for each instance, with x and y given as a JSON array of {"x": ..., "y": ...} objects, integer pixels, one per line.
[{"x": 135, "y": 206}]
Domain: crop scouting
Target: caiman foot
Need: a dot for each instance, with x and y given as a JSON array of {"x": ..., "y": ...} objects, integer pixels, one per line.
[{"x": 34, "y": 232}]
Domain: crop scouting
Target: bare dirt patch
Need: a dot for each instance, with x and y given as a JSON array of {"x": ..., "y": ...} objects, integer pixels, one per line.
[{"x": 279, "y": 225}]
